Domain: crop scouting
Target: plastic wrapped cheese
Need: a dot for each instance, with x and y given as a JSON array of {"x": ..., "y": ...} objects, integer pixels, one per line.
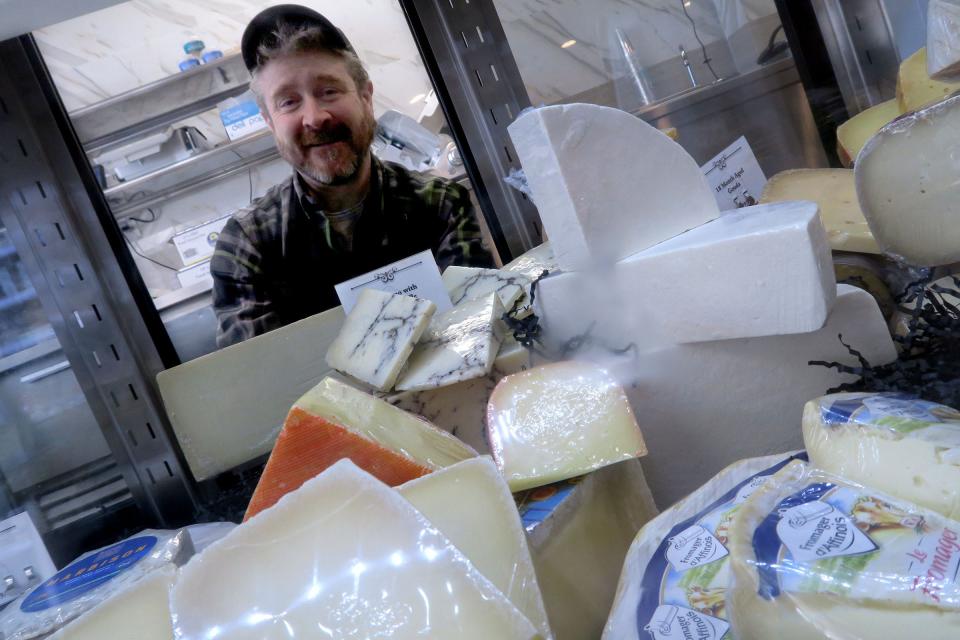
[
  {"x": 558, "y": 421},
  {"x": 90, "y": 580},
  {"x": 898, "y": 444},
  {"x": 676, "y": 572},
  {"x": 816, "y": 556},
  {"x": 943, "y": 39},
  {"x": 344, "y": 556},
  {"x": 907, "y": 186}
]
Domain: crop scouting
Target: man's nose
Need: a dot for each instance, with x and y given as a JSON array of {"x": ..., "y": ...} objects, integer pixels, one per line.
[{"x": 315, "y": 114}]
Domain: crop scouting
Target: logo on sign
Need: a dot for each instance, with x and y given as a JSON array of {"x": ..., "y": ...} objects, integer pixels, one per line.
[
  {"x": 670, "y": 622},
  {"x": 693, "y": 547},
  {"x": 816, "y": 530}
]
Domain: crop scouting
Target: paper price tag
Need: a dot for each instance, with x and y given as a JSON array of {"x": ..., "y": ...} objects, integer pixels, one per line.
[
  {"x": 416, "y": 276},
  {"x": 735, "y": 176},
  {"x": 197, "y": 243},
  {"x": 242, "y": 119}
]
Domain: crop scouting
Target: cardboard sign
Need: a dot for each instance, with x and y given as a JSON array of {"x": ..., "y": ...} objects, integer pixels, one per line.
[
  {"x": 416, "y": 276},
  {"x": 735, "y": 176}
]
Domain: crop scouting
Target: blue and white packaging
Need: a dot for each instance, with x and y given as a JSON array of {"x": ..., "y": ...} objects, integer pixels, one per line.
[{"x": 241, "y": 116}]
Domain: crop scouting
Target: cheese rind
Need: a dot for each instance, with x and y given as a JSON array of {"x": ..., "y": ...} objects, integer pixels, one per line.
[
  {"x": 740, "y": 389},
  {"x": 469, "y": 283},
  {"x": 902, "y": 446},
  {"x": 348, "y": 556},
  {"x": 461, "y": 408},
  {"x": 460, "y": 344},
  {"x": 140, "y": 612},
  {"x": 943, "y": 39},
  {"x": 558, "y": 421},
  {"x": 907, "y": 187},
  {"x": 854, "y": 133},
  {"x": 915, "y": 88},
  {"x": 587, "y": 203},
  {"x": 762, "y": 270},
  {"x": 835, "y": 193},
  {"x": 333, "y": 421},
  {"x": 472, "y": 506},
  {"x": 378, "y": 336},
  {"x": 816, "y": 556}
]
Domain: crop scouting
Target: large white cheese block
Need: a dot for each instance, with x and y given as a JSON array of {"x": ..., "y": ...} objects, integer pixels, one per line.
[
  {"x": 676, "y": 572},
  {"x": 461, "y": 408},
  {"x": 460, "y": 344},
  {"x": 378, "y": 336},
  {"x": 226, "y": 408},
  {"x": 815, "y": 556},
  {"x": 706, "y": 405},
  {"x": 595, "y": 205},
  {"x": 140, "y": 612},
  {"x": 762, "y": 270},
  {"x": 579, "y": 531},
  {"x": 558, "y": 421},
  {"x": 344, "y": 556},
  {"x": 907, "y": 186},
  {"x": 903, "y": 446},
  {"x": 472, "y": 506},
  {"x": 943, "y": 39},
  {"x": 468, "y": 283},
  {"x": 835, "y": 193}
]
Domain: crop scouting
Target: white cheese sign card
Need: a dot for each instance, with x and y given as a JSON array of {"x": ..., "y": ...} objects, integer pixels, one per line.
[
  {"x": 416, "y": 276},
  {"x": 735, "y": 176}
]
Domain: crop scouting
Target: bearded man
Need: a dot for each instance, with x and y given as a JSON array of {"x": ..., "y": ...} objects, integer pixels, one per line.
[{"x": 342, "y": 212}]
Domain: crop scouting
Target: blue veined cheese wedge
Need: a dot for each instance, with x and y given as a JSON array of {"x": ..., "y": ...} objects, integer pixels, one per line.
[
  {"x": 378, "y": 336},
  {"x": 460, "y": 344},
  {"x": 468, "y": 283},
  {"x": 343, "y": 556},
  {"x": 901, "y": 445},
  {"x": 817, "y": 556},
  {"x": 677, "y": 571}
]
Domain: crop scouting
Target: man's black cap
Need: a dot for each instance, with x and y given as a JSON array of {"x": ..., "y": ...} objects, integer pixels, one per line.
[{"x": 261, "y": 30}]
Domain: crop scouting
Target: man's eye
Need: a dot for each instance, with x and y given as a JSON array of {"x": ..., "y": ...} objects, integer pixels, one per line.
[
  {"x": 286, "y": 103},
  {"x": 330, "y": 93}
]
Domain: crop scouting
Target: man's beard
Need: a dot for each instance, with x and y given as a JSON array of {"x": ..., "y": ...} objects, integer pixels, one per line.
[{"x": 341, "y": 162}]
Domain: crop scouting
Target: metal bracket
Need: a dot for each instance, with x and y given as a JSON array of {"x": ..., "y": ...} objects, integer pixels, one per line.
[{"x": 479, "y": 87}]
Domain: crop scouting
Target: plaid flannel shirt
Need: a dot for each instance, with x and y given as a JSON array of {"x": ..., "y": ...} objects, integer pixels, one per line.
[{"x": 275, "y": 261}]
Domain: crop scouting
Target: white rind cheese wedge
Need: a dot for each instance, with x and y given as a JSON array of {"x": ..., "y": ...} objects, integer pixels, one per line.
[
  {"x": 343, "y": 556},
  {"x": 595, "y": 209},
  {"x": 378, "y": 336},
  {"x": 218, "y": 421},
  {"x": 915, "y": 88},
  {"x": 533, "y": 262},
  {"x": 712, "y": 403},
  {"x": 835, "y": 193},
  {"x": 140, "y": 612},
  {"x": 461, "y": 408},
  {"x": 907, "y": 186},
  {"x": 762, "y": 270},
  {"x": 943, "y": 39},
  {"x": 558, "y": 421},
  {"x": 906, "y": 447},
  {"x": 854, "y": 133},
  {"x": 469, "y": 283},
  {"x": 460, "y": 344},
  {"x": 472, "y": 506},
  {"x": 815, "y": 556}
]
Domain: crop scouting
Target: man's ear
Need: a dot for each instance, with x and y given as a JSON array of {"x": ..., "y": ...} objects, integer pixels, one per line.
[{"x": 367, "y": 94}]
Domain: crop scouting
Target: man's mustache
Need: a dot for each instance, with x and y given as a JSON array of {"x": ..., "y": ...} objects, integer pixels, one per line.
[{"x": 335, "y": 133}]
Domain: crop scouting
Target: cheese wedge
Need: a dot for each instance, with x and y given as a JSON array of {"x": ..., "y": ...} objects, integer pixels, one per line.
[
  {"x": 915, "y": 88},
  {"x": 344, "y": 556},
  {"x": 140, "y": 612},
  {"x": 460, "y": 344},
  {"x": 907, "y": 186},
  {"x": 854, "y": 133},
  {"x": 903, "y": 446},
  {"x": 588, "y": 204},
  {"x": 558, "y": 421},
  {"x": 378, "y": 336},
  {"x": 943, "y": 39},
  {"x": 469, "y": 283},
  {"x": 835, "y": 193},
  {"x": 816, "y": 556},
  {"x": 472, "y": 506},
  {"x": 335, "y": 421}
]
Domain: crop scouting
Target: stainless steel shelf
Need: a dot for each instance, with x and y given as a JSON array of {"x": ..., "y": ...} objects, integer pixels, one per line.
[
  {"x": 206, "y": 167},
  {"x": 155, "y": 106}
]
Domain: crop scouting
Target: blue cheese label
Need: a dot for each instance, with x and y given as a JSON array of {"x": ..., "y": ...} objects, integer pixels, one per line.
[
  {"x": 840, "y": 539},
  {"x": 670, "y": 622},
  {"x": 900, "y": 415},
  {"x": 693, "y": 547}
]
